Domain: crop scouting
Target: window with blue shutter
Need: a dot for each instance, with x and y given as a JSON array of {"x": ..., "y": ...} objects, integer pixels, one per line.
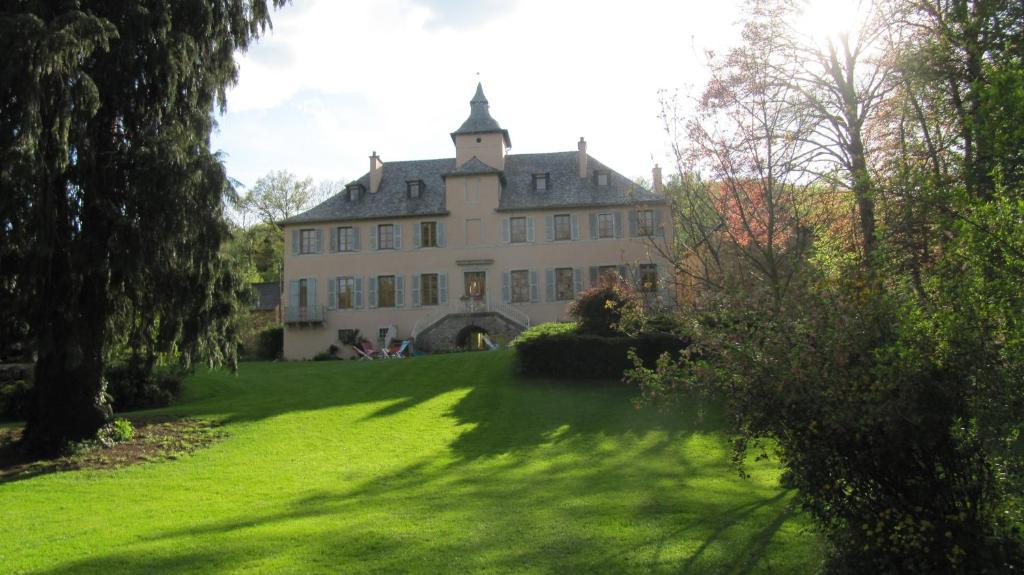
[{"x": 442, "y": 289}]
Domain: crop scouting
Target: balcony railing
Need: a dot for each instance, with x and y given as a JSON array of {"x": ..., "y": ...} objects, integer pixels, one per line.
[{"x": 310, "y": 314}]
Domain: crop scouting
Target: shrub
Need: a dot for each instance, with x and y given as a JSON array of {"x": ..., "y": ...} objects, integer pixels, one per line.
[
  {"x": 130, "y": 387},
  {"x": 270, "y": 343},
  {"x": 598, "y": 310},
  {"x": 329, "y": 354},
  {"x": 117, "y": 431},
  {"x": 584, "y": 356},
  {"x": 545, "y": 329},
  {"x": 15, "y": 399}
]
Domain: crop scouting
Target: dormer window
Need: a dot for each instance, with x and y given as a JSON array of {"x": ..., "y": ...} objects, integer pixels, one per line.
[
  {"x": 601, "y": 178},
  {"x": 353, "y": 192},
  {"x": 540, "y": 182},
  {"x": 414, "y": 188}
]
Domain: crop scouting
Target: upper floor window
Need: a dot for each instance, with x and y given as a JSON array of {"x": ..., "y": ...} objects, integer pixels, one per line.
[
  {"x": 517, "y": 230},
  {"x": 415, "y": 188},
  {"x": 308, "y": 242},
  {"x": 605, "y": 225},
  {"x": 645, "y": 222},
  {"x": 563, "y": 227},
  {"x": 385, "y": 291},
  {"x": 540, "y": 182},
  {"x": 386, "y": 237},
  {"x": 601, "y": 178},
  {"x": 520, "y": 286},
  {"x": 428, "y": 234},
  {"x": 346, "y": 239}
]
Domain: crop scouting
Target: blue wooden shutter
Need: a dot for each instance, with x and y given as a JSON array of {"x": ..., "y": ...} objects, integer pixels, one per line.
[
  {"x": 399, "y": 290},
  {"x": 440, "y": 234},
  {"x": 415, "y": 290},
  {"x": 617, "y": 219},
  {"x": 355, "y": 238},
  {"x": 577, "y": 277},
  {"x": 593, "y": 226},
  {"x": 417, "y": 234},
  {"x": 332, "y": 293},
  {"x": 506, "y": 283},
  {"x": 397, "y": 235},
  {"x": 373, "y": 237},
  {"x": 293, "y": 299},
  {"x": 534, "y": 289},
  {"x": 549, "y": 279},
  {"x": 658, "y": 230},
  {"x": 549, "y": 228},
  {"x": 442, "y": 288},
  {"x": 505, "y": 233},
  {"x": 593, "y": 276},
  {"x": 372, "y": 303},
  {"x": 530, "y": 232},
  {"x": 295, "y": 242},
  {"x": 334, "y": 238},
  {"x": 575, "y": 224},
  {"x": 633, "y": 224},
  {"x": 318, "y": 234},
  {"x": 358, "y": 304},
  {"x": 311, "y": 301}
]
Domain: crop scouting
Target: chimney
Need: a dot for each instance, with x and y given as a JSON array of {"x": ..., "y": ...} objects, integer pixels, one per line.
[
  {"x": 376, "y": 171},
  {"x": 658, "y": 186},
  {"x": 581, "y": 158}
]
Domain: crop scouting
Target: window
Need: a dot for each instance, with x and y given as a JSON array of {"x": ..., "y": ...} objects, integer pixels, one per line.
[
  {"x": 428, "y": 289},
  {"x": 564, "y": 284},
  {"x": 607, "y": 274},
  {"x": 540, "y": 182},
  {"x": 563, "y": 227},
  {"x": 386, "y": 237},
  {"x": 414, "y": 187},
  {"x": 303, "y": 294},
  {"x": 428, "y": 234},
  {"x": 476, "y": 284},
  {"x": 346, "y": 239},
  {"x": 605, "y": 226},
  {"x": 520, "y": 286},
  {"x": 353, "y": 193},
  {"x": 648, "y": 278},
  {"x": 385, "y": 291},
  {"x": 645, "y": 222},
  {"x": 601, "y": 178},
  {"x": 382, "y": 336},
  {"x": 307, "y": 242},
  {"x": 346, "y": 293},
  {"x": 517, "y": 230}
]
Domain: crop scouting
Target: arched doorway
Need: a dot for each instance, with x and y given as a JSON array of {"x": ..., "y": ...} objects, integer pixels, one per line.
[{"x": 471, "y": 338}]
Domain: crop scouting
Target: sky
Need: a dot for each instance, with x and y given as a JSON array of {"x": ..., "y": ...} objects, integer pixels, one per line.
[{"x": 337, "y": 80}]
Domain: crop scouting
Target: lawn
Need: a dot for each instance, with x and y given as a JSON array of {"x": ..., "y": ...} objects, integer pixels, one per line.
[{"x": 434, "y": 464}]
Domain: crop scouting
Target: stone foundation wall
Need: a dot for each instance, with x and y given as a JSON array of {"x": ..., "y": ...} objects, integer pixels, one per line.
[{"x": 442, "y": 335}]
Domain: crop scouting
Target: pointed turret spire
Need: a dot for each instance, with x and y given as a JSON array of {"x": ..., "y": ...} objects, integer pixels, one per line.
[{"x": 480, "y": 120}]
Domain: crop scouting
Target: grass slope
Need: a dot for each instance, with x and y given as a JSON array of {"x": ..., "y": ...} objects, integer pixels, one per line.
[{"x": 434, "y": 464}]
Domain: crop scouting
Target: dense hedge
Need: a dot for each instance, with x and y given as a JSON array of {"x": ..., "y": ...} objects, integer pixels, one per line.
[
  {"x": 270, "y": 343},
  {"x": 578, "y": 356}
]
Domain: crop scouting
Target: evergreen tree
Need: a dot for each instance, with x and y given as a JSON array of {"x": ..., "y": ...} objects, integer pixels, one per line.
[{"x": 111, "y": 212}]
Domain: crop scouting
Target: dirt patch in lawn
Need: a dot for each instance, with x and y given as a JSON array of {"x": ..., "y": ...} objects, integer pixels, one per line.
[{"x": 155, "y": 439}]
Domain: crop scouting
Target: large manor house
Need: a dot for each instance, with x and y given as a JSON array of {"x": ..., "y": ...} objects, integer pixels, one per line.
[{"x": 447, "y": 251}]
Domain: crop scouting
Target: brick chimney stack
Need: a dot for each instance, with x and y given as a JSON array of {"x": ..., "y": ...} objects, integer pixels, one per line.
[
  {"x": 376, "y": 171},
  {"x": 657, "y": 184},
  {"x": 581, "y": 158}
]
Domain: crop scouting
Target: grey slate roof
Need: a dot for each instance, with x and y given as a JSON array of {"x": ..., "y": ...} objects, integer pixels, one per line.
[
  {"x": 268, "y": 296},
  {"x": 480, "y": 120},
  {"x": 565, "y": 188}
]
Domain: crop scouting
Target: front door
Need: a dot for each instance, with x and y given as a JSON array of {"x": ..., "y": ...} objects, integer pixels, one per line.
[{"x": 476, "y": 285}]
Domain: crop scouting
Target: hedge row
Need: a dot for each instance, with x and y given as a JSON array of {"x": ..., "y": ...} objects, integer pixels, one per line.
[{"x": 576, "y": 356}]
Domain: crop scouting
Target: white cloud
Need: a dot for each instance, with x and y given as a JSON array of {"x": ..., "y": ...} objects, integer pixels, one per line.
[{"x": 337, "y": 80}]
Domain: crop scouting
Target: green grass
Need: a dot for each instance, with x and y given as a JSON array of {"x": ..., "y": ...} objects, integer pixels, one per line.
[{"x": 435, "y": 464}]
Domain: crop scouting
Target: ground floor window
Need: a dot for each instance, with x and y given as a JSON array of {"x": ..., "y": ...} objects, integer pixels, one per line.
[
  {"x": 564, "y": 284},
  {"x": 520, "y": 286},
  {"x": 648, "y": 278}
]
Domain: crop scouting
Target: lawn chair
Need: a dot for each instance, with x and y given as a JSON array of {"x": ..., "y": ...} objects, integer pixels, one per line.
[
  {"x": 362, "y": 354},
  {"x": 491, "y": 346},
  {"x": 402, "y": 349}
]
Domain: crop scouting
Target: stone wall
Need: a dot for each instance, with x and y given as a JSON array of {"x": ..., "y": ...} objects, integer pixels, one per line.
[{"x": 442, "y": 335}]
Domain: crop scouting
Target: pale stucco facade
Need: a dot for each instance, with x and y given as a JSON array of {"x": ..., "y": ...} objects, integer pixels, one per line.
[{"x": 521, "y": 221}]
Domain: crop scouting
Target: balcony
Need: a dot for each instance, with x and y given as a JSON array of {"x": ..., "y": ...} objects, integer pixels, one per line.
[{"x": 309, "y": 315}]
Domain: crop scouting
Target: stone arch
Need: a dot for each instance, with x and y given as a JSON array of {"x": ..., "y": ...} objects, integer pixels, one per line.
[{"x": 468, "y": 338}]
